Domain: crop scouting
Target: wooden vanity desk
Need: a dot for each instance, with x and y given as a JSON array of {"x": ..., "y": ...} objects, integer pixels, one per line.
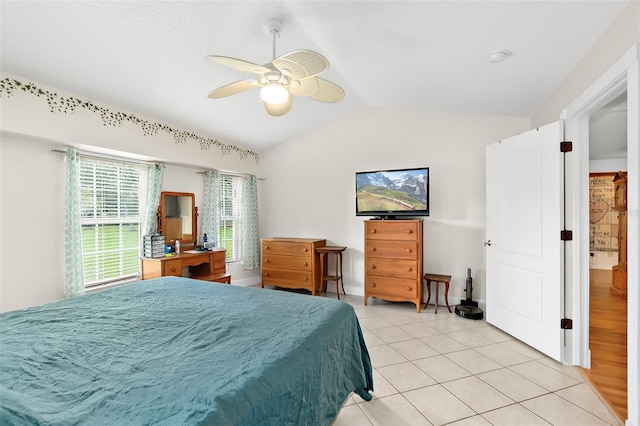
[{"x": 205, "y": 265}]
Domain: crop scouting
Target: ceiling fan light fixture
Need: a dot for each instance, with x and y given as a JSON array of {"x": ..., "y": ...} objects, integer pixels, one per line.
[{"x": 274, "y": 93}]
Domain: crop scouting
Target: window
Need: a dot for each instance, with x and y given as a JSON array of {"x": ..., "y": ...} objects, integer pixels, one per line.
[
  {"x": 230, "y": 214},
  {"x": 111, "y": 216}
]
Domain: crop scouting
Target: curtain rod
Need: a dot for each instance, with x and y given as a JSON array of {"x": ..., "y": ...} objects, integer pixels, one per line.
[
  {"x": 233, "y": 174},
  {"x": 106, "y": 157},
  {"x": 127, "y": 160}
]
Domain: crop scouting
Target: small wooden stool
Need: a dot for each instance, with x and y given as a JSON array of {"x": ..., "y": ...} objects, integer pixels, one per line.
[
  {"x": 446, "y": 279},
  {"x": 337, "y": 251}
]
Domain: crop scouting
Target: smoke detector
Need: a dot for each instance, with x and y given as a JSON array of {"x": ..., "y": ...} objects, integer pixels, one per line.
[{"x": 498, "y": 56}]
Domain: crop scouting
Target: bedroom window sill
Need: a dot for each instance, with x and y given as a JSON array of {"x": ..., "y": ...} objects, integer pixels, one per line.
[{"x": 110, "y": 285}]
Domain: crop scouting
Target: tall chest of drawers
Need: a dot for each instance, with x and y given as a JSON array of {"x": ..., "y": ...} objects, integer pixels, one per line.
[
  {"x": 393, "y": 260},
  {"x": 292, "y": 263}
]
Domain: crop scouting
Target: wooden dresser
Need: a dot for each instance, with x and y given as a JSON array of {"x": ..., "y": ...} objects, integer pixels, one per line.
[
  {"x": 292, "y": 263},
  {"x": 202, "y": 265},
  {"x": 393, "y": 260}
]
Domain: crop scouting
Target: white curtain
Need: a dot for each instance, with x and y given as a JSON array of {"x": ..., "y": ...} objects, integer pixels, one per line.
[
  {"x": 73, "y": 270},
  {"x": 154, "y": 189},
  {"x": 210, "y": 214},
  {"x": 250, "y": 236}
]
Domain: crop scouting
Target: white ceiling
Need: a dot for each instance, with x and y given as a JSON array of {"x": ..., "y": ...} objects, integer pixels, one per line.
[{"x": 149, "y": 57}]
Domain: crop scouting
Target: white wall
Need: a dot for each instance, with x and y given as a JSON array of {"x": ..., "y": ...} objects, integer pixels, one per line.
[
  {"x": 32, "y": 187},
  {"x": 310, "y": 185}
]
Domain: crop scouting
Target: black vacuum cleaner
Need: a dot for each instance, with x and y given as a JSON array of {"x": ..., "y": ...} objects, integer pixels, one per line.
[{"x": 468, "y": 308}]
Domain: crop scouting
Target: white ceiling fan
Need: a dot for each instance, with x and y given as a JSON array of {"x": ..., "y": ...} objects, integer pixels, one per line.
[{"x": 294, "y": 73}]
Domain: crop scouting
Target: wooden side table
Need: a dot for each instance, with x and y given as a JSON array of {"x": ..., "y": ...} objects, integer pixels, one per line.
[
  {"x": 338, "y": 278},
  {"x": 446, "y": 279}
]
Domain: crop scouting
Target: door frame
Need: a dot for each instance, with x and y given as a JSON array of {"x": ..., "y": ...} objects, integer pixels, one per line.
[{"x": 622, "y": 75}]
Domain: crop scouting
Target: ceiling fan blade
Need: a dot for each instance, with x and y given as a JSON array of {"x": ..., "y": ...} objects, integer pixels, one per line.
[
  {"x": 301, "y": 64},
  {"x": 306, "y": 87},
  {"x": 239, "y": 64},
  {"x": 318, "y": 88},
  {"x": 277, "y": 110},
  {"x": 233, "y": 88}
]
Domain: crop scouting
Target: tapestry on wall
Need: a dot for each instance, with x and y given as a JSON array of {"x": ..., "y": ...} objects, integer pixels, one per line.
[{"x": 603, "y": 220}]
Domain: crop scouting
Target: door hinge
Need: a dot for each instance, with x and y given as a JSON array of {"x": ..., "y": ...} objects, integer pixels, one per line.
[
  {"x": 566, "y": 324},
  {"x": 566, "y": 235},
  {"x": 566, "y": 146}
]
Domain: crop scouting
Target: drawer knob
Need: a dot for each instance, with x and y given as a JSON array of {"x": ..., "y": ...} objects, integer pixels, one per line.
[
  {"x": 266, "y": 274},
  {"x": 373, "y": 266},
  {"x": 306, "y": 250},
  {"x": 373, "y": 231},
  {"x": 373, "y": 249},
  {"x": 407, "y": 288},
  {"x": 173, "y": 269},
  {"x": 305, "y": 264},
  {"x": 266, "y": 261},
  {"x": 409, "y": 269},
  {"x": 266, "y": 247},
  {"x": 373, "y": 284},
  {"x": 409, "y": 250},
  {"x": 409, "y": 231},
  {"x": 306, "y": 278}
]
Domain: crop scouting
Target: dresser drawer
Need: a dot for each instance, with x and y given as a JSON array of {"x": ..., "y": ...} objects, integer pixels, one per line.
[
  {"x": 391, "y": 288},
  {"x": 393, "y": 230},
  {"x": 290, "y": 248},
  {"x": 219, "y": 261},
  {"x": 173, "y": 268},
  {"x": 288, "y": 278},
  {"x": 295, "y": 263},
  {"x": 392, "y": 268},
  {"x": 392, "y": 249}
]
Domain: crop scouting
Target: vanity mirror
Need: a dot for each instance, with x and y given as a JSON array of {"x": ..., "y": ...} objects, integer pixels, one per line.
[{"x": 177, "y": 217}]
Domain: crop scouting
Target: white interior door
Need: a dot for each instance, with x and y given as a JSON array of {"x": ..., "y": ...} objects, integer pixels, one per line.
[{"x": 524, "y": 253}]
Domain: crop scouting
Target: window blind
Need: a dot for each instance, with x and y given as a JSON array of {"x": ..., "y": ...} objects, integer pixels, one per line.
[
  {"x": 111, "y": 216},
  {"x": 230, "y": 214}
]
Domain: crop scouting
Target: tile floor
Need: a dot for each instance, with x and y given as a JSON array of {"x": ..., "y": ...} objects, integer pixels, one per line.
[{"x": 437, "y": 369}]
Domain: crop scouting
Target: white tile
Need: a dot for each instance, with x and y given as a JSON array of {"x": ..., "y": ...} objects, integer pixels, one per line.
[
  {"x": 406, "y": 376},
  {"x": 419, "y": 329},
  {"x": 385, "y": 355},
  {"x": 511, "y": 384},
  {"x": 413, "y": 349},
  {"x": 392, "y": 410},
  {"x": 524, "y": 349},
  {"x": 470, "y": 338},
  {"x": 374, "y": 322},
  {"x": 392, "y": 334},
  {"x": 544, "y": 376},
  {"x": 471, "y": 421},
  {"x": 399, "y": 318},
  {"x": 445, "y": 325},
  {"x": 381, "y": 388},
  {"x": 583, "y": 396},
  {"x": 438, "y": 405},
  {"x": 472, "y": 361},
  {"x": 558, "y": 411},
  {"x": 569, "y": 370},
  {"x": 443, "y": 343},
  {"x": 477, "y": 394},
  {"x": 351, "y": 416},
  {"x": 502, "y": 355},
  {"x": 493, "y": 333},
  {"x": 514, "y": 415},
  {"x": 441, "y": 369},
  {"x": 371, "y": 339}
]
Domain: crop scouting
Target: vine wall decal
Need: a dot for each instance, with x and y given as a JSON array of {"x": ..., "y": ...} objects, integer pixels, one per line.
[{"x": 60, "y": 104}]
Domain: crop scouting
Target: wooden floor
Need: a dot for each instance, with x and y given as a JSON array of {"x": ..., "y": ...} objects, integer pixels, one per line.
[{"x": 608, "y": 342}]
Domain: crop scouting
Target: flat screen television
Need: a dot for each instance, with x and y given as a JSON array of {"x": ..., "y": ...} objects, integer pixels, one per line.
[{"x": 388, "y": 194}]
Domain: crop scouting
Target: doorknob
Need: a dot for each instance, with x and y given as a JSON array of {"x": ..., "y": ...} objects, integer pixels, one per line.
[{"x": 487, "y": 243}]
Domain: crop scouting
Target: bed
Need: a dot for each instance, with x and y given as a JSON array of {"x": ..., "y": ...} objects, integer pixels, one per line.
[{"x": 180, "y": 351}]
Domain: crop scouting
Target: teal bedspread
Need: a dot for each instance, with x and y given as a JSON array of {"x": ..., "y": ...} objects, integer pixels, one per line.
[{"x": 180, "y": 352}]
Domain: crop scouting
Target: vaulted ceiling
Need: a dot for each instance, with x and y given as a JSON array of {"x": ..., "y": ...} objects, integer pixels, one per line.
[{"x": 149, "y": 57}]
